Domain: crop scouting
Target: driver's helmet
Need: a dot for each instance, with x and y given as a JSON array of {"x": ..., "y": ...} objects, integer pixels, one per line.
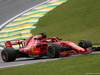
[{"x": 49, "y": 40}]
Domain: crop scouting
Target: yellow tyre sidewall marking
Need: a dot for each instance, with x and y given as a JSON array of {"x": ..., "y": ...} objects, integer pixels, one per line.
[{"x": 83, "y": 43}]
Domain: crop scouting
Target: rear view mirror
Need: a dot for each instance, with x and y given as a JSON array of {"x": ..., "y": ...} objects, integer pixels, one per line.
[{"x": 59, "y": 38}]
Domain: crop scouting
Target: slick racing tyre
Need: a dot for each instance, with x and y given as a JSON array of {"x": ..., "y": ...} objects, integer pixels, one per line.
[
  {"x": 53, "y": 50},
  {"x": 85, "y": 43},
  {"x": 8, "y": 54}
]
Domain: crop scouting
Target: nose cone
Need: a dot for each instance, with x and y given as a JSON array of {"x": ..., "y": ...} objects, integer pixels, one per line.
[{"x": 80, "y": 49}]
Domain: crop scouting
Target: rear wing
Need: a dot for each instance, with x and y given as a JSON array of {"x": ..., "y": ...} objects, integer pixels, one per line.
[{"x": 15, "y": 42}]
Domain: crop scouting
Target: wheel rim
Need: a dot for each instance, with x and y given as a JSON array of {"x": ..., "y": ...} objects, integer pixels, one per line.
[
  {"x": 82, "y": 44},
  {"x": 51, "y": 51},
  {"x": 4, "y": 56}
]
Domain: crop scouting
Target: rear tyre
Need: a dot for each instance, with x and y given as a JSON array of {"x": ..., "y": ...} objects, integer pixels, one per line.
[
  {"x": 53, "y": 50},
  {"x": 8, "y": 54},
  {"x": 85, "y": 43}
]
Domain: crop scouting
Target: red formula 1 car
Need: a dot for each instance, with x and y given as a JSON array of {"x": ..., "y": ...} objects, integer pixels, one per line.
[{"x": 40, "y": 45}]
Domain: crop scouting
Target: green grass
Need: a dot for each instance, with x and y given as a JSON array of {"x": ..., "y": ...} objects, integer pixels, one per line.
[
  {"x": 79, "y": 65},
  {"x": 75, "y": 19}
]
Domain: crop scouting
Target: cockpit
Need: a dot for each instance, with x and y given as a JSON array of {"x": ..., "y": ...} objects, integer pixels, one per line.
[{"x": 51, "y": 40}]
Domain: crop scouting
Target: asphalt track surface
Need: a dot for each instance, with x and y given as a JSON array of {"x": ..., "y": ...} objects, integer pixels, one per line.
[
  {"x": 11, "y": 8},
  {"x": 23, "y": 61}
]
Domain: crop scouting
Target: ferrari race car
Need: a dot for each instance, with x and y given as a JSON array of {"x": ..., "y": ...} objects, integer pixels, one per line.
[{"x": 39, "y": 45}]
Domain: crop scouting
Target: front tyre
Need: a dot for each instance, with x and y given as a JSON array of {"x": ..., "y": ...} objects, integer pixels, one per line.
[
  {"x": 53, "y": 50},
  {"x": 8, "y": 54},
  {"x": 85, "y": 43}
]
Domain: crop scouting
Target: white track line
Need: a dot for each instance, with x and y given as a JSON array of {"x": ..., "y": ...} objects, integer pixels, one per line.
[
  {"x": 96, "y": 52},
  {"x": 1, "y": 48},
  {"x": 4, "y": 24}
]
